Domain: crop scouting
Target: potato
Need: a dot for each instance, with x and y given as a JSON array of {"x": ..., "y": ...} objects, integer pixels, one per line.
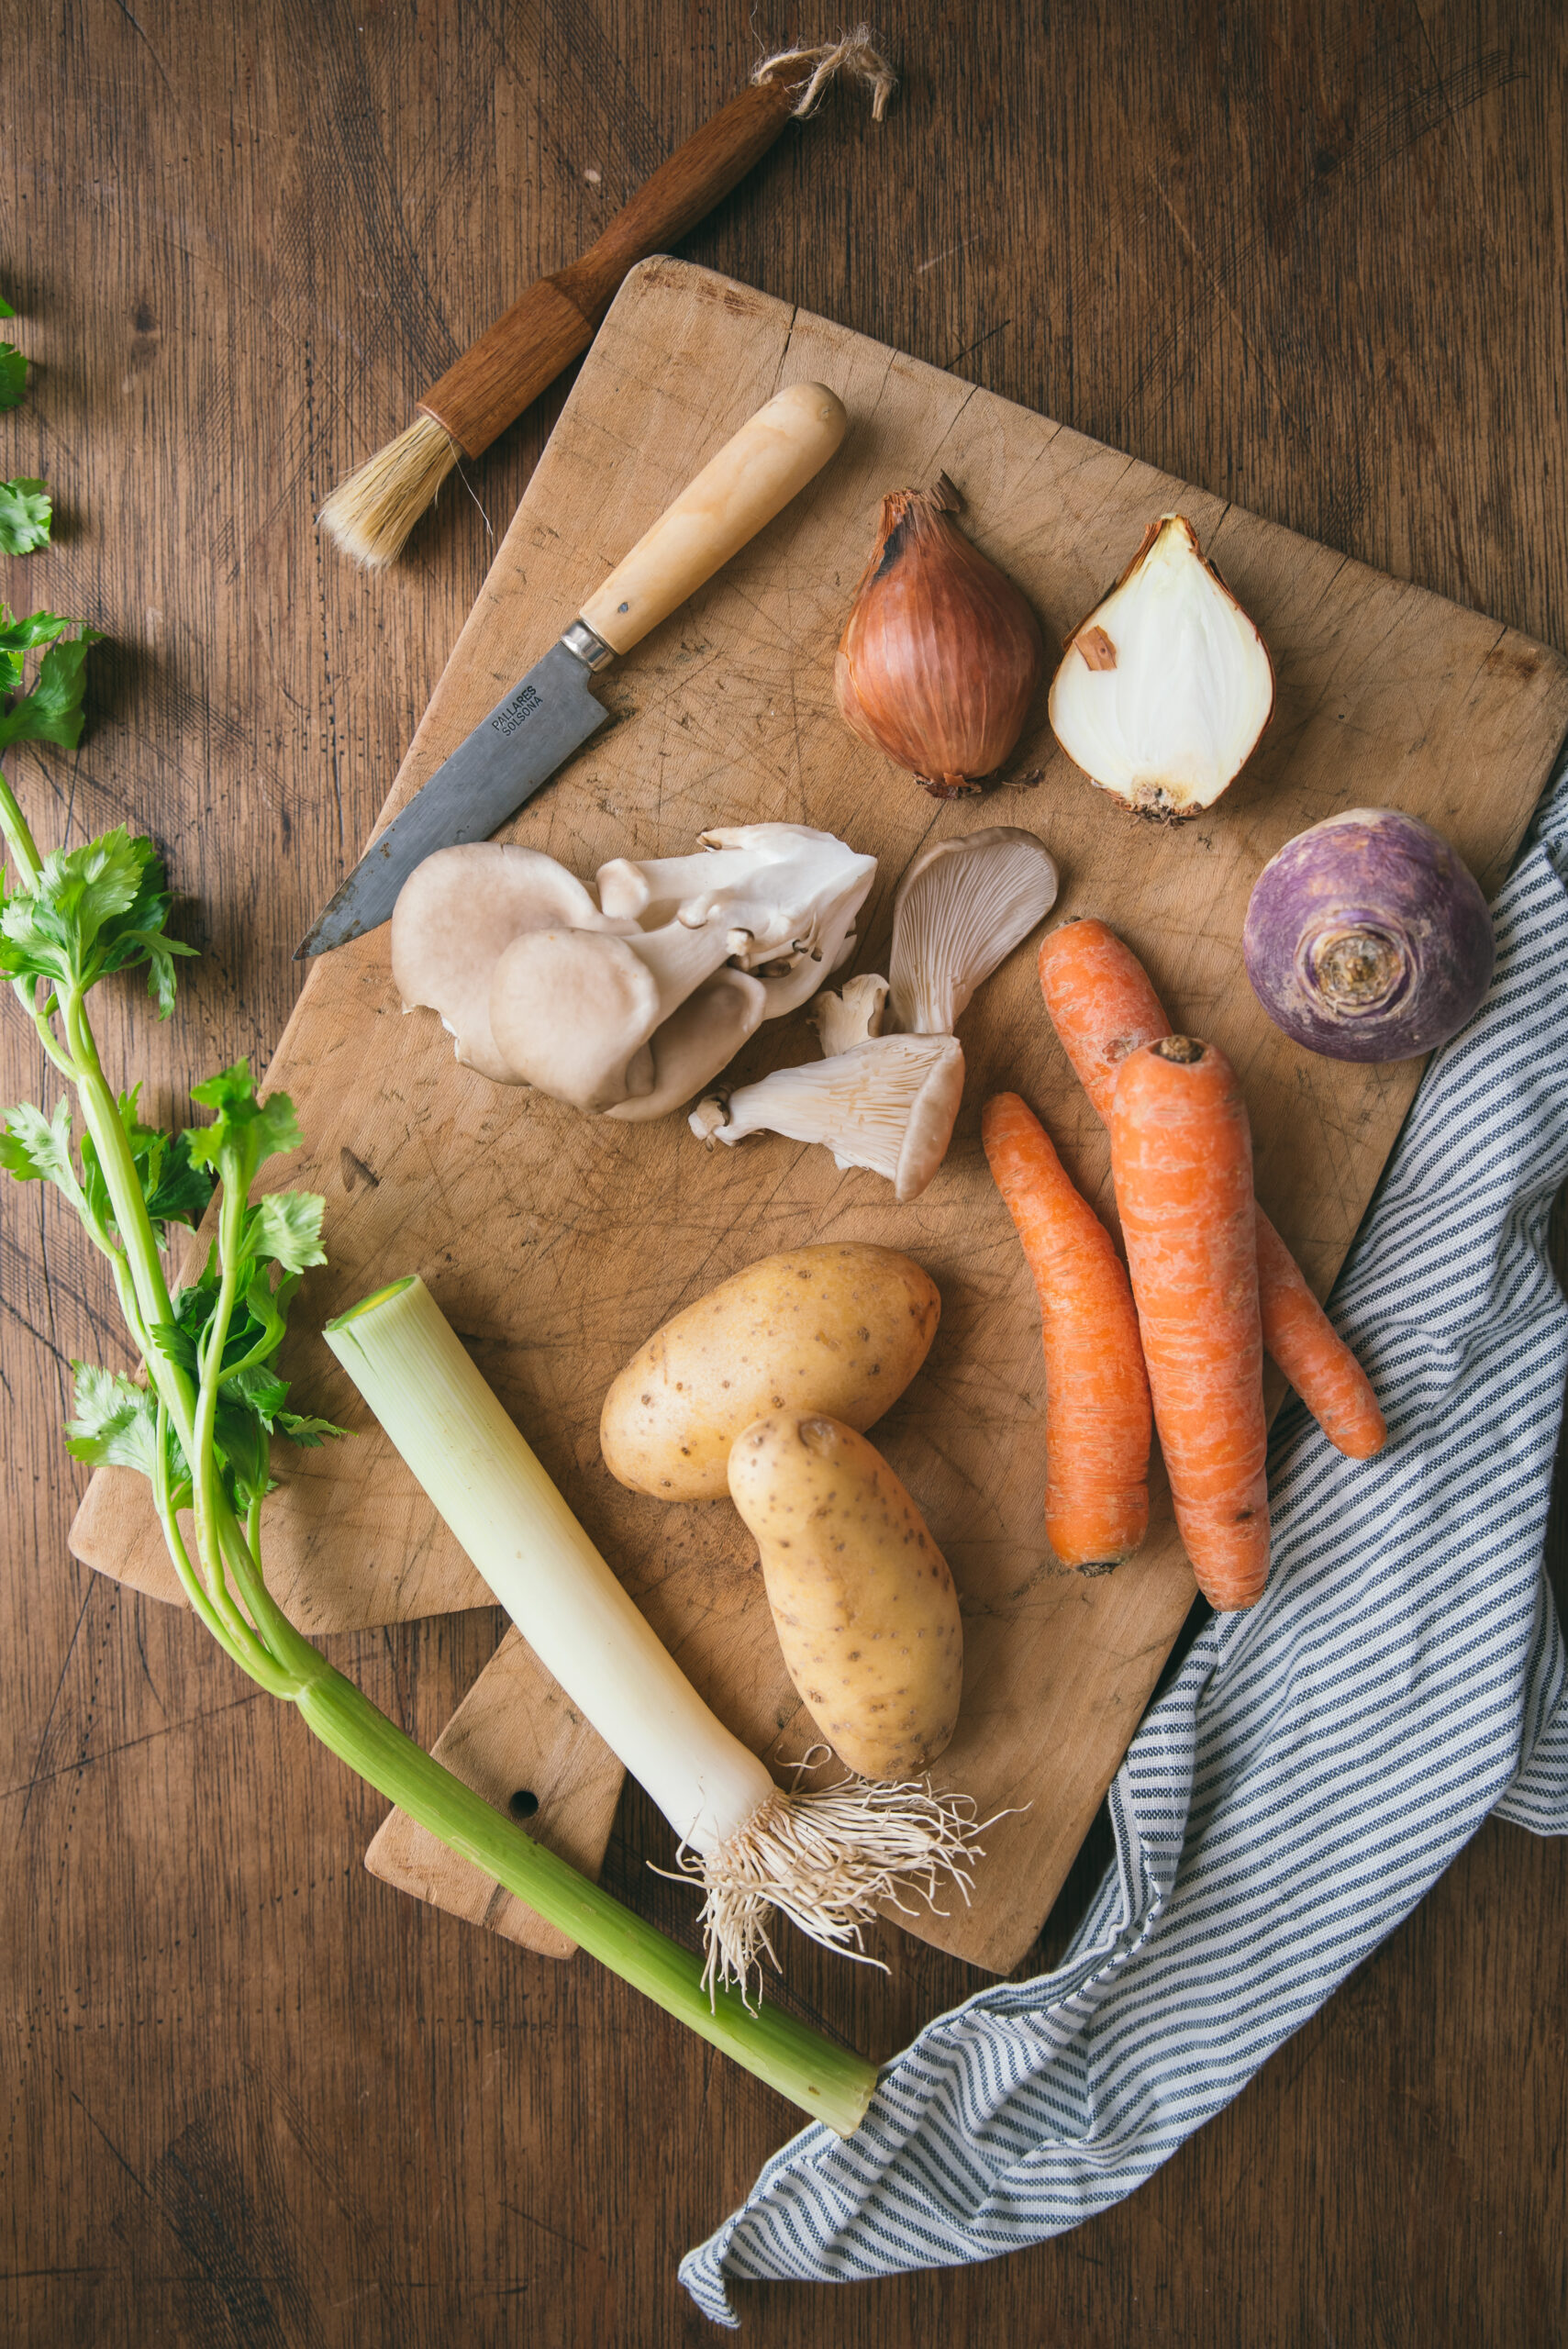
[
  {"x": 842, "y": 1330},
  {"x": 864, "y": 1606}
]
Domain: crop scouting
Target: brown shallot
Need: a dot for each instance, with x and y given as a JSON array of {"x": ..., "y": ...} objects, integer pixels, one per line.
[{"x": 942, "y": 655}]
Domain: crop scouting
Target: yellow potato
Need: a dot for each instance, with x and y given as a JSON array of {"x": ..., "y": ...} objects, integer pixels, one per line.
[
  {"x": 840, "y": 1329},
  {"x": 862, "y": 1600}
]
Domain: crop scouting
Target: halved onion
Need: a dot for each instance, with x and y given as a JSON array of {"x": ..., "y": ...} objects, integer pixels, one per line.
[{"x": 1164, "y": 690}]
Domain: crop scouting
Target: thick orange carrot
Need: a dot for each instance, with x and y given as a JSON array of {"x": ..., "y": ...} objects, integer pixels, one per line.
[
  {"x": 1182, "y": 1160},
  {"x": 1103, "y": 1007},
  {"x": 1097, "y": 1394}
]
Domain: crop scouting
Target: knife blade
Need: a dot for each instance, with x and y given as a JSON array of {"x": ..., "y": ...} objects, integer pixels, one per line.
[
  {"x": 533, "y": 729},
  {"x": 549, "y": 713}
]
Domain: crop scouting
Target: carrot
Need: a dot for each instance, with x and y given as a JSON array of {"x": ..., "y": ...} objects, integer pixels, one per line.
[
  {"x": 1103, "y": 1007},
  {"x": 1096, "y": 1392},
  {"x": 1312, "y": 1354},
  {"x": 1182, "y": 1160},
  {"x": 1102, "y": 1004}
]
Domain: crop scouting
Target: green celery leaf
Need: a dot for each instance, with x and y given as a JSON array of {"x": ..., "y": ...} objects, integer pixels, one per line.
[
  {"x": 32, "y": 628},
  {"x": 116, "y": 1423},
  {"x": 231, "y": 1089},
  {"x": 34, "y": 1148},
  {"x": 267, "y": 1394},
  {"x": 25, "y": 514},
  {"x": 5, "y": 309},
  {"x": 52, "y": 711},
  {"x": 13, "y": 374},
  {"x": 176, "y": 1191},
  {"x": 240, "y": 1441},
  {"x": 245, "y": 1131},
  {"x": 263, "y": 1389},
  {"x": 37, "y": 1149},
  {"x": 192, "y": 1310},
  {"x": 308, "y": 1432},
  {"x": 130, "y": 947},
  {"x": 28, "y": 948},
  {"x": 80, "y": 890},
  {"x": 96, "y": 908},
  {"x": 176, "y": 1344},
  {"x": 265, "y": 1320},
  {"x": 285, "y": 1228}
]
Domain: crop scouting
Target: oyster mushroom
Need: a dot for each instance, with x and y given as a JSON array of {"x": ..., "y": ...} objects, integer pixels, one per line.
[
  {"x": 597, "y": 1001},
  {"x": 788, "y": 895},
  {"x": 888, "y": 1105},
  {"x": 455, "y": 916},
  {"x": 961, "y": 909},
  {"x": 580, "y": 1012}
]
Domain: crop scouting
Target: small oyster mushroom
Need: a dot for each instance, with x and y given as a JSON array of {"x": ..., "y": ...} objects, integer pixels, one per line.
[
  {"x": 842, "y": 1020},
  {"x": 887, "y": 1105},
  {"x": 455, "y": 916},
  {"x": 578, "y": 1012},
  {"x": 960, "y": 908}
]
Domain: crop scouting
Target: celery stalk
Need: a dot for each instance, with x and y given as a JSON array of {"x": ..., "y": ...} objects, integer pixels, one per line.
[{"x": 199, "y": 1427}]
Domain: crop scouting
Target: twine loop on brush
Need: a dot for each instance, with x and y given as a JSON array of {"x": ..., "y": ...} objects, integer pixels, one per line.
[{"x": 855, "y": 54}]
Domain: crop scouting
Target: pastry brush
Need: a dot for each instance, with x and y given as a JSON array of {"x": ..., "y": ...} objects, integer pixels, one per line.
[{"x": 371, "y": 513}]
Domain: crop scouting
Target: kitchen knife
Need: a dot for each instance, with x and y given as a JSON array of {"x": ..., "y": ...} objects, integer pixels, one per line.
[{"x": 537, "y": 724}]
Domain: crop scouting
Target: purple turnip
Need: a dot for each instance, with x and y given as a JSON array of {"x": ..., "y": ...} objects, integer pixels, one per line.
[{"x": 1366, "y": 939}]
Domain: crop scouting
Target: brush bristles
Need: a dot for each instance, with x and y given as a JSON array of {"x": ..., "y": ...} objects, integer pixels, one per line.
[{"x": 371, "y": 513}]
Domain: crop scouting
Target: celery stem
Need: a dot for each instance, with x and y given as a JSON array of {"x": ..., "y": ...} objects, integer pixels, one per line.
[{"x": 18, "y": 838}]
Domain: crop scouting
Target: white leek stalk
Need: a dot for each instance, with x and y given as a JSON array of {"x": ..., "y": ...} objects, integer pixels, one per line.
[{"x": 827, "y": 1858}]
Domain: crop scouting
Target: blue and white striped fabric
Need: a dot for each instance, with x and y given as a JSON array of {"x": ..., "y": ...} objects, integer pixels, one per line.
[{"x": 1316, "y": 1763}]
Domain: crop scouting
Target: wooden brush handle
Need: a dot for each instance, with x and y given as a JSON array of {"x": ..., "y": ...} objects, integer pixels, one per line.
[
  {"x": 554, "y": 322},
  {"x": 738, "y": 492}
]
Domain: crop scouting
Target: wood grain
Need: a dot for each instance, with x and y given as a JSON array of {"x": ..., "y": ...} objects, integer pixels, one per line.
[
  {"x": 1315, "y": 261},
  {"x": 556, "y": 1244}
]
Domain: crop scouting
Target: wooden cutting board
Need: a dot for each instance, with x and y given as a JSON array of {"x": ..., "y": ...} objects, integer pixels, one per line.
[{"x": 556, "y": 1243}]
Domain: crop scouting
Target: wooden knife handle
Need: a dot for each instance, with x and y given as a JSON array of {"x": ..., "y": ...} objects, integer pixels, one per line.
[
  {"x": 753, "y": 478},
  {"x": 553, "y": 323}
]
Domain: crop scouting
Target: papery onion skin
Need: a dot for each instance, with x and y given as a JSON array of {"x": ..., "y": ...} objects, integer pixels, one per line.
[
  {"x": 941, "y": 655},
  {"x": 1367, "y": 937}
]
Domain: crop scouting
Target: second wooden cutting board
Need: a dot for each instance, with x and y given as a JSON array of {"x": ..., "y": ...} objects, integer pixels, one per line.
[{"x": 556, "y": 1243}]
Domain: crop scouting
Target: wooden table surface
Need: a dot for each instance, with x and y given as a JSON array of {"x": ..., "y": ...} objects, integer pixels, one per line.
[{"x": 1310, "y": 257}]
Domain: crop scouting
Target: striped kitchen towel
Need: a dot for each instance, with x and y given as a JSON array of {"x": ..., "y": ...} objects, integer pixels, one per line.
[{"x": 1317, "y": 1761}]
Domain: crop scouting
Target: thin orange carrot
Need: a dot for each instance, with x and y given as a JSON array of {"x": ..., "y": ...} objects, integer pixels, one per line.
[
  {"x": 1312, "y": 1354},
  {"x": 1182, "y": 1160},
  {"x": 1096, "y": 1392},
  {"x": 1104, "y": 1006}
]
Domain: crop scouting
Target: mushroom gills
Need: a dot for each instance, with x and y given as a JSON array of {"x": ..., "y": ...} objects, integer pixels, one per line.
[
  {"x": 959, "y": 911},
  {"x": 887, "y": 1105}
]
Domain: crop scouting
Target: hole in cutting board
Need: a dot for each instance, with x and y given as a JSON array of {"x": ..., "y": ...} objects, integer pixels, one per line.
[{"x": 523, "y": 1804}]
